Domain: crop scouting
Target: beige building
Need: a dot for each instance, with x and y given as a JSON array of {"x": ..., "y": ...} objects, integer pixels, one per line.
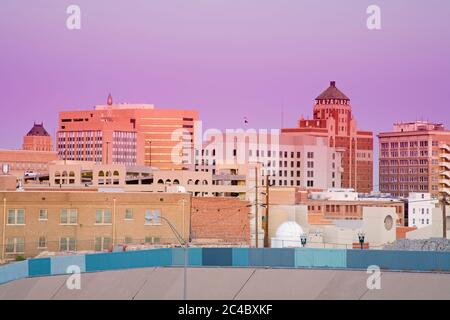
[
  {"x": 411, "y": 158},
  {"x": 288, "y": 222},
  {"x": 37, "y": 221}
]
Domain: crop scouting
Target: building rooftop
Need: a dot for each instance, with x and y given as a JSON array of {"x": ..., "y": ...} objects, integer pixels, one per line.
[
  {"x": 332, "y": 93},
  {"x": 38, "y": 130}
]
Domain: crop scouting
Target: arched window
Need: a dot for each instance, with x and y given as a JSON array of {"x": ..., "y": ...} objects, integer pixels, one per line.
[
  {"x": 197, "y": 181},
  {"x": 116, "y": 173},
  {"x": 205, "y": 182},
  {"x": 160, "y": 181},
  {"x": 190, "y": 181},
  {"x": 64, "y": 174},
  {"x": 57, "y": 174},
  {"x": 71, "y": 174},
  {"x": 168, "y": 181},
  {"x": 101, "y": 174},
  {"x": 176, "y": 181}
]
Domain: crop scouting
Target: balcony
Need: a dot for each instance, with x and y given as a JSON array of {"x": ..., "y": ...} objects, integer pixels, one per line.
[
  {"x": 445, "y": 182},
  {"x": 445, "y": 146},
  {"x": 445, "y": 190},
  {"x": 445, "y": 164}
]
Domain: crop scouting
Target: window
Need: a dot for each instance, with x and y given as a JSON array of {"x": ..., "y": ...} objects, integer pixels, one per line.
[
  {"x": 102, "y": 243},
  {"x": 16, "y": 216},
  {"x": 15, "y": 245},
  {"x": 67, "y": 244},
  {"x": 42, "y": 243},
  {"x": 152, "y": 239},
  {"x": 68, "y": 216},
  {"x": 102, "y": 216},
  {"x": 152, "y": 217},
  {"x": 42, "y": 214},
  {"x": 128, "y": 214},
  {"x": 128, "y": 240}
]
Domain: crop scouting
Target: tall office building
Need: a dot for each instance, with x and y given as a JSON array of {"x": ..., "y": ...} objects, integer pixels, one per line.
[
  {"x": 289, "y": 161},
  {"x": 130, "y": 134},
  {"x": 333, "y": 119},
  {"x": 413, "y": 158}
]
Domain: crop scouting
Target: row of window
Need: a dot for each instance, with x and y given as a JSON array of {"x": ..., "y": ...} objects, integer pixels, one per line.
[
  {"x": 17, "y": 245},
  {"x": 70, "y": 216}
]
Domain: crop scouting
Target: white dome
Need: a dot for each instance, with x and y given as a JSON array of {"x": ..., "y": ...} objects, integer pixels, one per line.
[{"x": 289, "y": 230}]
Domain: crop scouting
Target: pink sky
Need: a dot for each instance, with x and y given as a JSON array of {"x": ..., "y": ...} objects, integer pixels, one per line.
[{"x": 226, "y": 58}]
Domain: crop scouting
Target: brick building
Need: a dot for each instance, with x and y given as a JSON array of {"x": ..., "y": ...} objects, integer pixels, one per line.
[
  {"x": 221, "y": 220},
  {"x": 333, "y": 119},
  {"x": 66, "y": 221},
  {"x": 410, "y": 158}
]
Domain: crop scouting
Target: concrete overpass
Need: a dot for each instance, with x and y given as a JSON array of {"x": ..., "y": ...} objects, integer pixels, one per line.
[{"x": 232, "y": 284}]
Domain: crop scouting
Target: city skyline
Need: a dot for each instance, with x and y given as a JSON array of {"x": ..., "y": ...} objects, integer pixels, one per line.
[{"x": 278, "y": 59}]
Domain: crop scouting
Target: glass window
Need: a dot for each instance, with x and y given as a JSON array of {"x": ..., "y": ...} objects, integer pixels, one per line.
[
  {"x": 42, "y": 214},
  {"x": 68, "y": 216},
  {"x": 42, "y": 242},
  {"x": 128, "y": 214},
  {"x": 16, "y": 216},
  {"x": 152, "y": 216}
]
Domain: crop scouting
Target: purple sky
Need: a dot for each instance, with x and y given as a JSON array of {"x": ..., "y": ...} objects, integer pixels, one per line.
[{"x": 228, "y": 59}]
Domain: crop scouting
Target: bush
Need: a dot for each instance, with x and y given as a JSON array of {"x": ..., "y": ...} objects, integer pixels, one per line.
[{"x": 20, "y": 258}]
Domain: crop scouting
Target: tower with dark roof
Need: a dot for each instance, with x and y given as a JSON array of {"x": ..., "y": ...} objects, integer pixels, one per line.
[
  {"x": 333, "y": 118},
  {"x": 37, "y": 139}
]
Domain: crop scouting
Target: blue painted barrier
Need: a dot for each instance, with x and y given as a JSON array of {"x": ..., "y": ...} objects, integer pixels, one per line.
[
  {"x": 60, "y": 264},
  {"x": 217, "y": 257},
  {"x": 236, "y": 257},
  {"x": 39, "y": 267},
  {"x": 399, "y": 260},
  {"x": 240, "y": 257},
  {"x": 13, "y": 271},
  {"x": 271, "y": 257},
  {"x": 320, "y": 258},
  {"x": 128, "y": 260},
  {"x": 194, "y": 256}
]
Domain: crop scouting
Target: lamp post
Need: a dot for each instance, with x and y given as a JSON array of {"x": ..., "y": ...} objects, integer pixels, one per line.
[
  {"x": 182, "y": 242},
  {"x": 303, "y": 239},
  {"x": 361, "y": 237}
]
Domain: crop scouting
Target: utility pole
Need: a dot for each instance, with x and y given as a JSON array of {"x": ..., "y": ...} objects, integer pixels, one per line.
[
  {"x": 444, "y": 215},
  {"x": 266, "y": 221},
  {"x": 256, "y": 206}
]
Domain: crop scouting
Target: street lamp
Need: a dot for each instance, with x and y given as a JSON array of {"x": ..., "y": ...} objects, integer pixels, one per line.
[
  {"x": 303, "y": 239},
  {"x": 361, "y": 237},
  {"x": 182, "y": 242}
]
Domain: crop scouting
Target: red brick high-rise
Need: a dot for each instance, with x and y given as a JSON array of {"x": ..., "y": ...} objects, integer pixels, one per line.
[{"x": 333, "y": 118}]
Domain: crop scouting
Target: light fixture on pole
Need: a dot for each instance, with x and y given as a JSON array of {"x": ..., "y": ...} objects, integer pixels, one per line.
[
  {"x": 303, "y": 239},
  {"x": 150, "y": 218},
  {"x": 361, "y": 237}
]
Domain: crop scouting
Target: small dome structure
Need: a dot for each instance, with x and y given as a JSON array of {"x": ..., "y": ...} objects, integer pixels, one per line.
[{"x": 289, "y": 230}]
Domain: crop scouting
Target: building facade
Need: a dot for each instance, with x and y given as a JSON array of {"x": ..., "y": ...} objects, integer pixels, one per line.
[
  {"x": 287, "y": 160},
  {"x": 35, "y": 155},
  {"x": 410, "y": 158},
  {"x": 420, "y": 209},
  {"x": 130, "y": 134},
  {"x": 37, "y": 139},
  {"x": 333, "y": 119},
  {"x": 67, "y": 221},
  {"x": 444, "y": 169}
]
